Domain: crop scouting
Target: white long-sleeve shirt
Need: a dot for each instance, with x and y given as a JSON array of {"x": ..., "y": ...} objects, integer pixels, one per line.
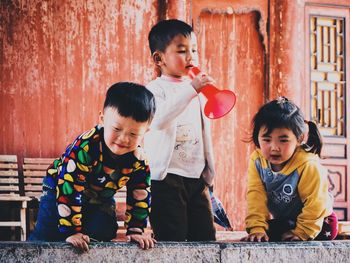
[{"x": 172, "y": 98}]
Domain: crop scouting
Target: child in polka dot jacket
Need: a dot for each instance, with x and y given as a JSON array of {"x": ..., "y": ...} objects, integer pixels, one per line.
[{"x": 78, "y": 203}]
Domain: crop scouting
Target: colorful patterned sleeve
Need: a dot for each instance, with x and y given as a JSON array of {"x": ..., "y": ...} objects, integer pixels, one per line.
[
  {"x": 76, "y": 164},
  {"x": 138, "y": 199}
]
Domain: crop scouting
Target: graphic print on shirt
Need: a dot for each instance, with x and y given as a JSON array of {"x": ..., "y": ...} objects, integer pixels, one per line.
[
  {"x": 282, "y": 191},
  {"x": 285, "y": 194},
  {"x": 186, "y": 143}
]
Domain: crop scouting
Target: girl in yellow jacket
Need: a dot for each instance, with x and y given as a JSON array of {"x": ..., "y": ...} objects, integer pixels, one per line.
[{"x": 287, "y": 193}]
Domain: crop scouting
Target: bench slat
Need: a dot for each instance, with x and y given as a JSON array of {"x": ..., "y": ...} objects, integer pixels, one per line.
[
  {"x": 9, "y": 188},
  {"x": 34, "y": 194},
  {"x": 30, "y": 187},
  {"x": 13, "y": 197},
  {"x": 11, "y": 180},
  {"x": 38, "y": 160},
  {"x": 41, "y": 167},
  {"x": 8, "y": 158},
  {"x": 33, "y": 180},
  {"x": 10, "y": 223},
  {"x": 8, "y": 173},
  {"x": 9, "y": 166},
  {"x": 34, "y": 173}
]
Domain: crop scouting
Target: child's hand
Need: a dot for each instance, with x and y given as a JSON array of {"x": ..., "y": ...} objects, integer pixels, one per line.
[
  {"x": 256, "y": 237},
  {"x": 145, "y": 241},
  {"x": 289, "y": 236},
  {"x": 80, "y": 241},
  {"x": 201, "y": 80}
]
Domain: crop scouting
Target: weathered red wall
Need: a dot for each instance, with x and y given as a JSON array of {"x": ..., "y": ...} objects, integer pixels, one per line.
[{"x": 58, "y": 59}]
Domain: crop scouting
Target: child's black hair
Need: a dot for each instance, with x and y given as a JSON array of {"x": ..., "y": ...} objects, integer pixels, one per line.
[
  {"x": 131, "y": 100},
  {"x": 164, "y": 31},
  {"x": 282, "y": 113}
]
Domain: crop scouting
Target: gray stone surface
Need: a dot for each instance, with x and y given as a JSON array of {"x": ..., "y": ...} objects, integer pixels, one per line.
[
  {"x": 109, "y": 252},
  {"x": 311, "y": 251},
  {"x": 335, "y": 251}
]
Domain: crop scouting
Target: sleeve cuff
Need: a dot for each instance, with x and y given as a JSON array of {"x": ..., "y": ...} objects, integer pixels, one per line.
[
  {"x": 134, "y": 231},
  {"x": 301, "y": 234},
  {"x": 256, "y": 230}
]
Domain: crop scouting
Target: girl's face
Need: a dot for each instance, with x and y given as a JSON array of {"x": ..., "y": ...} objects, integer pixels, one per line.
[
  {"x": 278, "y": 146},
  {"x": 179, "y": 56},
  {"x": 122, "y": 135}
]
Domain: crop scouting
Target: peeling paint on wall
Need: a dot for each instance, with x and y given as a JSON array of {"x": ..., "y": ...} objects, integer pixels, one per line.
[{"x": 58, "y": 59}]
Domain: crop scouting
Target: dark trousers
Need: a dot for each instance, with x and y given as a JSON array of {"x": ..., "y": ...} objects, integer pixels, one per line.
[
  {"x": 96, "y": 223},
  {"x": 181, "y": 210},
  {"x": 278, "y": 227}
]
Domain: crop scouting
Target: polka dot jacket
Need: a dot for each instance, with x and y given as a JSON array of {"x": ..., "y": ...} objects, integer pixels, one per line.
[{"x": 88, "y": 174}]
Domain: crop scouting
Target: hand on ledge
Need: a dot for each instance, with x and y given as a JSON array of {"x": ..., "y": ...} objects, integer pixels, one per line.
[
  {"x": 79, "y": 241},
  {"x": 256, "y": 237},
  {"x": 145, "y": 241}
]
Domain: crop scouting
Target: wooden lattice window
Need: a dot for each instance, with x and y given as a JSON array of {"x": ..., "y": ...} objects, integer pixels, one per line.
[{"x": 327, "y": 51}]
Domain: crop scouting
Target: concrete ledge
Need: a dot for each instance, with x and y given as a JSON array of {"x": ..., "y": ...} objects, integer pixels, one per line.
[{"x": 325, "y": 251}]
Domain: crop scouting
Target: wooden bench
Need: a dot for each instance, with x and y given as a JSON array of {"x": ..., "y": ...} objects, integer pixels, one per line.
[
  {"x": 10, "y": 191},
  {"x": 34, "y": 170}
]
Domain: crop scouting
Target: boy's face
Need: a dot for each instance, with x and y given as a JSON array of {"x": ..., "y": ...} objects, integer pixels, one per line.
[
  {"x": 121, "y": 134},
  {"x": 178, "y": 57}
]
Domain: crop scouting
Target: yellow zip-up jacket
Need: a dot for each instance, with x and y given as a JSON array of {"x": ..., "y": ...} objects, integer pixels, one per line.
[{"x": 298, "y": 192}]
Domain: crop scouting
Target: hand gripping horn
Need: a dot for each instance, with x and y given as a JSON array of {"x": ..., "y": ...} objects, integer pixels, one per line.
[{"x": 220, "y": 102}]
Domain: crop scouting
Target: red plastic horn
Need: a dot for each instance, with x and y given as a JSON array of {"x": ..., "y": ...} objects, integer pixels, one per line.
[{"x": 220, "y": 102}]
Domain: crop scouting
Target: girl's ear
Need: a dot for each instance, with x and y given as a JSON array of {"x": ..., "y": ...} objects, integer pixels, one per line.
[
  {"x": 304, "y": 136},
  {"x": 302, "y": 139},
  {"x": 100, "y": 118},
  {"x": 157, "y": 58}
]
